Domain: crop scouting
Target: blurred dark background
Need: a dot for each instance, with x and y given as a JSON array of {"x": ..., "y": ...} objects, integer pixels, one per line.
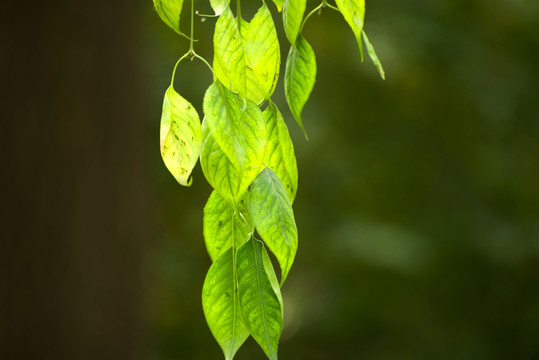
[{"x": 418, "y": 200}]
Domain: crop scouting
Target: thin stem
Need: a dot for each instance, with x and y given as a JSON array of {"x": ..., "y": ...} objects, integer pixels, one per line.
[
  {"x": 176, "y": 66},
  {"x": 191, "y": 50},
  {"x": 311, "y": 13},
  {"x": 330, "y": 6},
  {"x": 204, "y": 61},
  {"x": 205, "y": 15}
]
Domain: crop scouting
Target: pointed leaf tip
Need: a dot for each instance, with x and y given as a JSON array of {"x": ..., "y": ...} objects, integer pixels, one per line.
[
  {"x": 300, "y": 77},
  {"x": 220, "y": 302},
  {"x": 169, "y": 11},
  {"x": 260, "y": 297},
  {"x": 353, "y": 12},
  {"x": 273, "y": 217},
  {"x": 372, "y": 54}
]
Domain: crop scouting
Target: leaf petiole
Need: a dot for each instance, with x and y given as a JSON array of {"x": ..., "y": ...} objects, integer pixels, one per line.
[{"x": 318, "y": 8}]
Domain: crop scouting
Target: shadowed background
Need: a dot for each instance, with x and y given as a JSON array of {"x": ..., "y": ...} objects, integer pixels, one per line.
[{"x": 417, "y": 206}]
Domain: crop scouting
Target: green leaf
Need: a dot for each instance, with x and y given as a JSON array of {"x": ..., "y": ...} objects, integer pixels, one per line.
[
  {"x": 223, "y": 176},
  {"x": 247, "y": 61},
  {"x": 299, "y": 77},
  {"x": 169, "y": 11},
  {"x": 222, "y": 227},
  {"x": 273, "y": 217},
  {"x": 236, "y": 125},
  {"x": 293, "y": 11},
  {"x": 353, "y": 12},
  {"x": 229, "y": 53},
  {"x": 181, "y": 136},
  {"x": 260, "y": 300},
  {"x": 374, "y": 57},
  {"x": 279, "y": 155},
  {"x": 220, "y": 302},
  {"x": 262, "y": 55},
  {"x": 219, "y": 6}
]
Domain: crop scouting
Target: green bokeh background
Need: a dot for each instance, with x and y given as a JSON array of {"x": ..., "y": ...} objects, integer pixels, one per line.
[
  {"x": 418, "y": 196},
  {"x": 417, "y": 205}
]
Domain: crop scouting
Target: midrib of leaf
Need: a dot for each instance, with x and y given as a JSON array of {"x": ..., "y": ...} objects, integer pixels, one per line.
[
  {"x": 260, "y": 295},
  {"x": 282, "y": 210},
  {"x": 275, "y": 128},
  {"x": 295, "y": 54},
  {"x": 233, "y": 123},
  {"x": 235, "y": 287}
]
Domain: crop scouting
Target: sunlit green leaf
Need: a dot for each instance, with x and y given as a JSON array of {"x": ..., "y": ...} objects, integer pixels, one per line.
[
  {"x": 169, "y": 11},
  {"x": 262, "y": 54},
  {"x": 237, "y": 125},
  {"x": 222, "y": 227},
  {"x": 353, "y": 12},
  {"x": 220, "y": 302},
  {"x": 273, "y": 217},
  {"x": 293, "y": 11},
  {"x": 279, "y": 155},
  {"x": 300, "y": 77},
  {"x": 260, "y": 300},
  {"x": 181, "y": 136},
  {"x": 219, "y": 6},
  {"x": 247, "y": 58},
  {"x": 223, "y": 176},
  {"x": 229, "y": 53},
  {"x": 374, "y": 57}
]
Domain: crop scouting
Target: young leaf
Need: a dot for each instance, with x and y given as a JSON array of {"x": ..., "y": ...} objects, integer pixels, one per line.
[
  {"x": 273, "y": 217},
  {"x": 374, "y": 57},
  {"x": 353, "y": 12},
  {"x": 279, "y": 155},
  {"x": 222, "y": 227},
  {"x": 236, "y": 125},
  {"x": 220, "y": 302},
  {"x": 260, "y": 301},
  {"x": 262, "y": 55},
  {"x": 223, "y": 176},
  {"x": 219, "y": 6},
  {"x": 293, "y": 11},
  {"x": 169, "y": 11},
  {"x": 229, "y": 53},
  {"x": 181, "y": 136},
  {"x": 299, "y": 77}
]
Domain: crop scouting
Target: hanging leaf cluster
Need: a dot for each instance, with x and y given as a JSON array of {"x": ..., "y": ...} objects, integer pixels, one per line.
[{"x": 247, "y": 156}]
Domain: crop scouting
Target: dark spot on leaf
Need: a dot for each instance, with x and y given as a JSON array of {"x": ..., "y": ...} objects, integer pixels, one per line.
[
  {"x": 176, "y": 136},
  {"x": 227, "y": 294},
  {"x": 219, "y": 223}
]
